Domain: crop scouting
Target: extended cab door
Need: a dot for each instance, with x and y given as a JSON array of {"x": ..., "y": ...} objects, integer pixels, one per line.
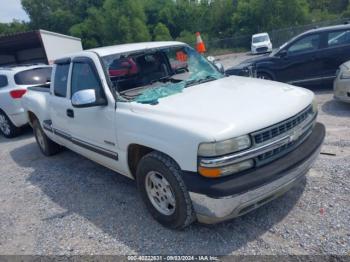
[
  {"x": 302, "y": 62},
  {"x": 59, "y": 102},
  {"x": 92, "y": 126}
]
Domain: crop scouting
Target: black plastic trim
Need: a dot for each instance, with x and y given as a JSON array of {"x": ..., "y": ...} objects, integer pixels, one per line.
[
  {"x": 86, "y": 145},
  {"x": 95, "y": 149},
  {"x": 63, "y": 61},
  {"x": 255, "y": 178}
]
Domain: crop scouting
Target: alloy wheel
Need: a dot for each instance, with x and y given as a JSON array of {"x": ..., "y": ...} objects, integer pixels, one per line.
[{"x": 160, "y": 193}]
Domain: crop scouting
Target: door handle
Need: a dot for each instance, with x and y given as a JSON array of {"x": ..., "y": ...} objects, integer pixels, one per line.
[{"x": 70, "y": 113}]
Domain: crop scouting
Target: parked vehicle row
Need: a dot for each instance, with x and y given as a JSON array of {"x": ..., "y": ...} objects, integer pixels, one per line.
[
  {"x": 310, "y": 58},
  {"x": 14, "y": 82},
  {"x": 200, "y": 145}
]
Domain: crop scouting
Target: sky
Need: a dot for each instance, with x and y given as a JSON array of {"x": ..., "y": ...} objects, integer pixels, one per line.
[{"x": 12, "y": 9}]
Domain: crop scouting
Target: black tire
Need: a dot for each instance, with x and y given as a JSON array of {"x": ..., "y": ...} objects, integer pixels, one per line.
[
  {"x": 46, "y": 145},
  {"x": 264, "y": 76},
  {"x": 183, "y": 214},
  {"x": 7, "y": 128}
]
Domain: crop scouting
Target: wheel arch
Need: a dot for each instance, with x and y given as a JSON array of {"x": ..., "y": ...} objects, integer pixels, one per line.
[
  {"x": 31, "y": 117},
  {"x": 136, "y": 152},
  {"x": 268, "y": 72}
]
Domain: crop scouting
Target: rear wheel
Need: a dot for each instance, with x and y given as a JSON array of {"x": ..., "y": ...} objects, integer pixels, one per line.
[
  {"x": 265, "y": 76},
  {"x": 46, "y": 145},
  {"x": 7, "y": 128},
  {"x": 163, "y": 191}
]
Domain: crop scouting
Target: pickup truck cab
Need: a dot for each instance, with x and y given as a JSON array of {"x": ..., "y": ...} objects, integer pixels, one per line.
[{"x": 200, "y": 145}]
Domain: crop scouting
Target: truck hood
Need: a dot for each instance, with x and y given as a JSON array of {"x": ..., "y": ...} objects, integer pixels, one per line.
[{"x": 228, "y": 107}]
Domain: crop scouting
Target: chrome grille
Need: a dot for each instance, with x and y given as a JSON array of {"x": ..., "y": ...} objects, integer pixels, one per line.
[
  {"x": 279, "y": 152},
  {"x": 262, "y": 49},
  {"x": 277, "y": 130}
]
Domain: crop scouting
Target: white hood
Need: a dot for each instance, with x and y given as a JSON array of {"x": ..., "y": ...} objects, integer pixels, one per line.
[
  {"x": 261, "y": 44},
  {"x": 229, "y": 107}
]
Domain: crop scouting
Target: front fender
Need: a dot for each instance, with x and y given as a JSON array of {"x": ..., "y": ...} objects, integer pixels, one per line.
[{"x": 177, "y": 142}]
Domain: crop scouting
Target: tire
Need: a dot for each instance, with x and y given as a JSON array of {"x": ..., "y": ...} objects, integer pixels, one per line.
[
  {"x": 7, "y": 128},
  {"x": 177, "y": 212},
  {"x": 46, "y": 145},
  {"x": 264, "y": 76}
]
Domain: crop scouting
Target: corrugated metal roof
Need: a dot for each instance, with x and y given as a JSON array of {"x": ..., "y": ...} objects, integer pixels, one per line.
[{"x": 11, "y": 42}]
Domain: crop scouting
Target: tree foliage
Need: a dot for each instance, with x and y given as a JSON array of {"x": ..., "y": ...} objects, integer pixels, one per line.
[
  {"x": 161, "y": 33},
  {"x": 106, "y": 22}
]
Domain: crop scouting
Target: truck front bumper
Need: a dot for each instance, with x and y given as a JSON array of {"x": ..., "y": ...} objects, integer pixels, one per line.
[{"x": 213, "y": 205}]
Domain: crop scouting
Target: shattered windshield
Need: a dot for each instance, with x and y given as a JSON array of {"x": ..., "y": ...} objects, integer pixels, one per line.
[{"x": 149, "y": 75}]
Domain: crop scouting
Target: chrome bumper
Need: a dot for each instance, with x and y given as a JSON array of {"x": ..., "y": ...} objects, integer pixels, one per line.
[{"x": 211, "y": 210}]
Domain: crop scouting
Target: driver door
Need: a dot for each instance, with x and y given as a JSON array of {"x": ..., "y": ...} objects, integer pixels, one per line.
[
  {"x": 92, "y": 127},
  {"x": 302, "y": 62}
]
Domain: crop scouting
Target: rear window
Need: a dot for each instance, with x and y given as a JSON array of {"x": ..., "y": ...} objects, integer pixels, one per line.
[
  {"x": 339, "y": 38},
  {"x": 61, "y": 80},
  {"x": 34, "y": 76}
]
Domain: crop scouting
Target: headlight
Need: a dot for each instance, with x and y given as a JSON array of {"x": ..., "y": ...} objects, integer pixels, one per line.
[
  {"x": 314, "y": 106},
  {"x": 345, "y": 74},
  {"x": 224, "y": 147}
]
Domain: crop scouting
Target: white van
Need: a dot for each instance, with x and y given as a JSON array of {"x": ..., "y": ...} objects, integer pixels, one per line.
[{"x": 261, "y": 43}]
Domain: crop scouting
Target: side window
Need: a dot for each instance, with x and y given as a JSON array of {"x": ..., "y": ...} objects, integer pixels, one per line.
[
  {"x": 3, "y": 81},
  {"x": 84, "y": 76},
  {"x": 306, "y": 44},
  {"x": 61, "y": 80},
  {"x": 339, "y": 38},
  {"x": 178, "y": 59}
]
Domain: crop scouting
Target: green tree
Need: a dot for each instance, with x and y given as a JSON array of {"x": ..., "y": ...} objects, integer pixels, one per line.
[
  {"x": 161, "y": 33},
  {"x": 262, "y": 15},
  {"x": 13, "y": 27},
  {"x": 187, "y": 37}
]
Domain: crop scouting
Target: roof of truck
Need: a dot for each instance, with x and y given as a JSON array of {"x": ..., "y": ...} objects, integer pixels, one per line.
[{"x": 126, "y": 48}]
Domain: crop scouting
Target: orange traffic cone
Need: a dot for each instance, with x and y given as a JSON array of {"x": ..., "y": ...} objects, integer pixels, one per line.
[{"x": 200, "y": 44}]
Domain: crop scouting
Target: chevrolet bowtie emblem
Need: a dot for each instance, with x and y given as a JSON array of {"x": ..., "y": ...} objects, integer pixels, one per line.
[{"x": 295, "y": 135}]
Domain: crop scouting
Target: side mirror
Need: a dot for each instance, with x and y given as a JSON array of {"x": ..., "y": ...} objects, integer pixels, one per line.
[
  {"x": 87, "y": 98},
  {"x": 211, "y": 59},
  {"x": 219, "y": 67},
  {"x": 283, "y": 53}
]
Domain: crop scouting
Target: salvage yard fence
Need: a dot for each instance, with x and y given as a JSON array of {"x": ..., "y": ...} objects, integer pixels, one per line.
[{"x": 278, "y": 37}]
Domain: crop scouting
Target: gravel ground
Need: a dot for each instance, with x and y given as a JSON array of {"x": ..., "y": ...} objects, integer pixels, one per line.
[{"x": 67, "y": 204}]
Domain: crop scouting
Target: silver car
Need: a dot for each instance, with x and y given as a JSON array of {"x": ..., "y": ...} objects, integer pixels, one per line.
[
  {"x": 14, "y": 82},
  {"x": 342, "y": 83}
]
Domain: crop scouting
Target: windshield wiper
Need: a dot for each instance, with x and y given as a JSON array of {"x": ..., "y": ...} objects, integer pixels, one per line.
[{"x": 200, "y": 81}]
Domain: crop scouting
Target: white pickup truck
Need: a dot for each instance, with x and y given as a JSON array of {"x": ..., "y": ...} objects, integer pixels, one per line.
[{"x": 200, "y": 145}]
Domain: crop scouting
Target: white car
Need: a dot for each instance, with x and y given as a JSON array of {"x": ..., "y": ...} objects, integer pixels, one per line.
[
  {"x": 14, "y": 82},
  {"x": 261, "y": 43},
  {"x": 200, "y": 145},
  {"x": 342, "y": 83}
]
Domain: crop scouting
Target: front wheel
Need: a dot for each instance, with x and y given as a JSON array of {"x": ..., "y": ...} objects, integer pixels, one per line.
[
  {"x": 163, "y": 191},
  {"x": 264, "y": 76},
  {"x": 46, "y": 145},
  {"x": 7, "y": 128}
]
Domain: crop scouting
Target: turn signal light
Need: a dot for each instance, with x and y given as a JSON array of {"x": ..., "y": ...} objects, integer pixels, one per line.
[
  {"x": 17, "y": 94},
  {"x": 210, "y": 172}
]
